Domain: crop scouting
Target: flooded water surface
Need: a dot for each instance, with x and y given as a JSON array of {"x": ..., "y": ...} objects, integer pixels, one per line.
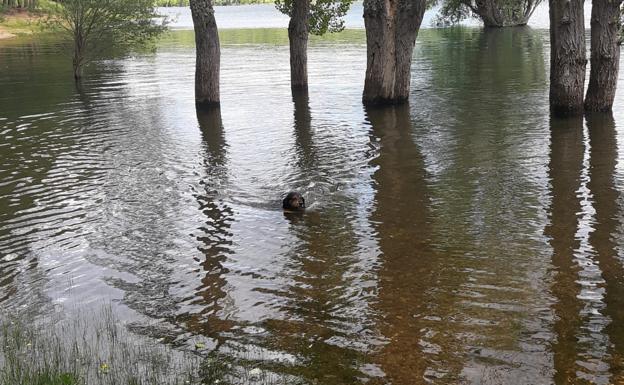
[{"x": 467, "y": 237}]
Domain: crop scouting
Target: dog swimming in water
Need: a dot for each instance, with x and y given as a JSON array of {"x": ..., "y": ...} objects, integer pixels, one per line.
[{"x": 293, "y": 202}]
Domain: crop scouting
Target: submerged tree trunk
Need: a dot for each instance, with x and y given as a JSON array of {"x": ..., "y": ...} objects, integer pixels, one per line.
[
  {"x": 567, "y": 56},
  {"x": 78, "y": 59},
  {"x": 605, "y": 55},
  {"x": 493, "y": 13},
  {"x": 490, "y": 13},
  {"x": 298, "y": 30},
  {"x": 77, "y": 68},
  {"x": 208, "y": 53},
  {"x": 391, "y": 30},
  {"x": 497, "y": 13}
]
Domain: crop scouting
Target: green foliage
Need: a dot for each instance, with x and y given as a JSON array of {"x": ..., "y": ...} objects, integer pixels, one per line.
[
  {"x": 240, "y": 2},
  {"x": 46, "y": 6},
  {"x": 325, "y": 15},
  {"x": 185, "y": 3},
  {"x": 21, "y": 4},
  {"x": 171, "y": 3},
  {"x": 93, "y": 27},
  {"x": 499, "y": 13},
  {"x": 452, "y": 12}
]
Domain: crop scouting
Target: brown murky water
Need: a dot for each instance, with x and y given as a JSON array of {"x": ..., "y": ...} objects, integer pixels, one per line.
[{"x": 464, "y": 238}]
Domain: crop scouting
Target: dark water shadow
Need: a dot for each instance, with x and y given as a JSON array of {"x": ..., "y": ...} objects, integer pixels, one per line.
[
  {"x": 602, "y": 163},
  {"x": 564, "y": 170},
  {"x": 589, "y": 310},
  {"x": 214, "y": 236},
  {"x": 304, "y": 145},
  {"x": 408, "y": 267}
]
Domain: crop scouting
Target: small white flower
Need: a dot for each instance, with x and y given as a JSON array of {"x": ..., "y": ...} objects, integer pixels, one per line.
[{"x": 255, "y": 372}]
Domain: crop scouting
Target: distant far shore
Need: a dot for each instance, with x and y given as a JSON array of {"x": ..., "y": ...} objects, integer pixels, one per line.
[
  {"x": 5, "y": 35},
  {"x": 185, "y": 3},
  {"x": 17, "y": 22}
]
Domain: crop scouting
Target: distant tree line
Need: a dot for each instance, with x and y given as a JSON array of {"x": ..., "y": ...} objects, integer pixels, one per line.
[
  {"x": 19, "y": 3},
  {"x": 186, "y": 3},
  {"x": 30, "y": 4},
  {"x": 172, "y": 3}
]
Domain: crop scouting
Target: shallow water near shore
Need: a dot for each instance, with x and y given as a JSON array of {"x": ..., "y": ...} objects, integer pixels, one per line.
[{"x": 464, "y": 238}]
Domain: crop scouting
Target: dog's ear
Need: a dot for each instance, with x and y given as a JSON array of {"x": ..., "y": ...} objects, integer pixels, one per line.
[
  {"x": 285, "y": 203},
  {"x": 302, "y": 202}
]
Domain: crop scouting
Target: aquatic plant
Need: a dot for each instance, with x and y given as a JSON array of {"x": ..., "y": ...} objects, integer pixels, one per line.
[
  {"x": 96, "y": 349},
  {"x": 87, "y": 350}
]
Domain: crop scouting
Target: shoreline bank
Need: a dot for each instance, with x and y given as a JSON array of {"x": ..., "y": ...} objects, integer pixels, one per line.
[
  {"x": 4, "y": 35},
  {"x": 15, "y": 23}
]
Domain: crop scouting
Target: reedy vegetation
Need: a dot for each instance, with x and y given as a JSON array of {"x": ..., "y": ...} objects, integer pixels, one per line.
[
  {"x": 90, "y": 350},
  {"x": 96, "y": 349}
]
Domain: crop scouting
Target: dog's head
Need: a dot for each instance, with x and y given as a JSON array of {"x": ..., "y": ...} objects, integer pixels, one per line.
[{"x": 293, "y": 201}]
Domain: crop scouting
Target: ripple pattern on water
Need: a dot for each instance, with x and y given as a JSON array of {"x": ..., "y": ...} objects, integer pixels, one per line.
[{"x": 464, "y": 238}]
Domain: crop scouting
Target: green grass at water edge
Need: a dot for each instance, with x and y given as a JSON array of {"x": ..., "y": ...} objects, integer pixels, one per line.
[
  {"x": 97, "y": 349},
  {"x": 75, "y": 352}
]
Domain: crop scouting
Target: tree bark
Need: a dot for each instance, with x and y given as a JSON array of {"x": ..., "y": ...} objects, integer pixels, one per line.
[
  {"x": 567, "y": 56},
  {"x": 499, "y": 14},
  {"x": 490, "y": 13},
  {"x": 298, "y": 30},
  {"x": 605, "y": 55},
  {"x": 78, "y": 59},
  {"x": 391, "y": 30},
  {"x": 208, "y": 54},
  {"x": 77, "y": 68}
]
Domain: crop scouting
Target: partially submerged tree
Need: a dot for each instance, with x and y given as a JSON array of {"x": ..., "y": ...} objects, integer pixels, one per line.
[
  {"x": 208, "y": 54},
  {"x": 298, "y": 29},
  {"x": 98, "y": 26},
  {"x": 391, "y": 30},
  {"x": 493, "y": 13},
  {"x": 605, "y": 54},
  {"x": 306, "y": 16},
  {"x": 567, "y": 56}
]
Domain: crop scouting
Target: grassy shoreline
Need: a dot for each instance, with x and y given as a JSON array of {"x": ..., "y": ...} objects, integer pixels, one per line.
[
  {"x": 95, "y": 348},
  {"x": 18, "y": 22},
  {"x": 14, "y": 23}
]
